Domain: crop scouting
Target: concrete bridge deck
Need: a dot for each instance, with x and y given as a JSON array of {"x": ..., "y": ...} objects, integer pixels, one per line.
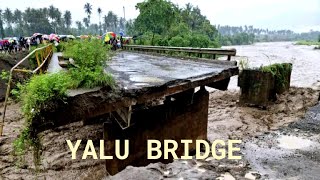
[
  {"x": 136, "y": 70},
  {"x": 140, "y": 79}
]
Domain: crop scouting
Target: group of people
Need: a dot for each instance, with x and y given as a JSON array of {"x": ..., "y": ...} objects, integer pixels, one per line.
[
  {"x": 14, "y": 45},
  {"x": 115, "y": 43}
]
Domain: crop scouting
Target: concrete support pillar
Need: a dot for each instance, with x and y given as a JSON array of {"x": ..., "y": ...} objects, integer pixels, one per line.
[{"x": 175, "y": 121}]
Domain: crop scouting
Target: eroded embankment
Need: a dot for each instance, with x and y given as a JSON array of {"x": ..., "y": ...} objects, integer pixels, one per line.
[{"x": 7, "y": 61}]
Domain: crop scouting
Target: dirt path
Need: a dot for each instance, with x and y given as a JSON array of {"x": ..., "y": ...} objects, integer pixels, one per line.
[{"x": 226, "y": 121}]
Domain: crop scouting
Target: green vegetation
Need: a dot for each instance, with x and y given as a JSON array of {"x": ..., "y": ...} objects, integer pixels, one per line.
[
  {"x": 308, "y": 43},
  {"x": 185, "y": 27},
  {"x": 34, "y": 96},
  {"x": 89, "y": 57},
  {"x": 237, "y": 39},
  {"x": 50, "y": 19},
  {"x": 280, "y": 72},
  {"x": 240, "y": 35},
  {"x": 4, "y": 75}
]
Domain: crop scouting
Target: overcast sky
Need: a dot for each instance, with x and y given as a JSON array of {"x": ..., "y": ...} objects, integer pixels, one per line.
[{"x": 297, "y": 15}]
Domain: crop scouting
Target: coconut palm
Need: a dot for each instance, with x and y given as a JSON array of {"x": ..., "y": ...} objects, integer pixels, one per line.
[
  {"x": 115, "y": 22},
  {"x": 67, "y": 19},
  {"x": 8, "y": 17},
  {"x": 86, "y": 22},
  {"x": 88, "y": 10},
  {"x": 1, "y": 25},
  {"x": 105, "y": 23},
  {"x": 79, "y": 26}
]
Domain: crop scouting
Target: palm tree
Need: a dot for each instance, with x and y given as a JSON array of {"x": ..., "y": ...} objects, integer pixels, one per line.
[
  {"x": 99, "y": 12},
  {"x": 8, "y": 16},
  {"x": 52, "y": 12},
  {"x": 115, "y": 21},
  {"x": 109, "y": 19},
  {"x": 67, "y": 19},
  {"x": 88, "y": 10},
  {"x": 79, "y": 26},
  {"x": 86, "y": 22},
  {"x": 1, "y": 25},
  {"x": 106, "y": 23},
  {"x": 55, "y": 16},
  {"x": 17, "y": 16}
]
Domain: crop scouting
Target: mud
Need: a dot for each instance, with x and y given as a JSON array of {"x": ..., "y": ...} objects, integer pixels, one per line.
[{"x": 226, "y": 120}]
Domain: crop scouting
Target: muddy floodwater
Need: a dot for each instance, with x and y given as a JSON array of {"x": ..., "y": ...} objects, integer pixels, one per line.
[{"x": 305, "y": 60}]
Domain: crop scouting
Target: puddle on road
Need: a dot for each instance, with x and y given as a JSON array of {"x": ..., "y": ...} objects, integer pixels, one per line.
[
  {"x": 141, "y": 84},
  {"x": 293, "y": 142},
  {"x": 145, "y": 79}
]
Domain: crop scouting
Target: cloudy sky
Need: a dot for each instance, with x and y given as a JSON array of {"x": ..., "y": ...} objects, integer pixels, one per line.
[{"x": 297, "y": 15}]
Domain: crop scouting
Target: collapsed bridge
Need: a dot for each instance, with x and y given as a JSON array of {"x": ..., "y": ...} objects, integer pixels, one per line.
[{"x": 157, "y": 97}]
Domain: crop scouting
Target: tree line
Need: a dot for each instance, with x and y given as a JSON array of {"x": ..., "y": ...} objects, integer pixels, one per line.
[
  {"x": 248, "y": 34},
  {"x": 163, "y": 23},
  {"x": 52, "y": 20},
  {"x": 160, "y": 22}
]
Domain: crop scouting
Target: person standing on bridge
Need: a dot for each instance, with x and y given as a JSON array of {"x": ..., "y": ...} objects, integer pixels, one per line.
[{"x": 114, "y": 43}]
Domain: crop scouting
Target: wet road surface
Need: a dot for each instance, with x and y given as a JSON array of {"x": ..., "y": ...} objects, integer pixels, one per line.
[{"x": 133, "y": 70}]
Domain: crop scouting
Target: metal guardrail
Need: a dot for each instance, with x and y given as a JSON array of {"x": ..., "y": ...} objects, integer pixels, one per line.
[
  {"x": 42, "y": 55},
  {"x": 200, "y": 51}
]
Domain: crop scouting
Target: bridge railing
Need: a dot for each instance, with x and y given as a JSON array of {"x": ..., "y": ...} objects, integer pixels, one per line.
[
  {"x": 42, "y": 56},
  {"x": 213, "y": 52}
]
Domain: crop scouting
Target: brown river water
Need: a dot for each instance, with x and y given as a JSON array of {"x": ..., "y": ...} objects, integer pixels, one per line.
[{"x": 305, "y": 60}]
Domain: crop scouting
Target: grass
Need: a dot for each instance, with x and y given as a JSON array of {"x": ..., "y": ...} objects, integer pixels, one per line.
[
  {"x": 90, "y": 57},
  {"x": 4, "y": 75},
  {"x": 308, "y": 43},
  {"x": 279, "y": 71},
  {"x": 244, "y": 63}
]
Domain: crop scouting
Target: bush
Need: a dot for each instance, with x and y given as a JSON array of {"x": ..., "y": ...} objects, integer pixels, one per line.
[
  {"x": 43, "y": 88},
  {"x": 162, "y": 42},
  {"x": 280, "y": 72},
  {"x": 87, "y": 53},
  {"x": 89, "y": 78},
  {"x": 179, "y": 41},
  {"x": 34, "y": 95},
  {"x": 199, "y": 41}
]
